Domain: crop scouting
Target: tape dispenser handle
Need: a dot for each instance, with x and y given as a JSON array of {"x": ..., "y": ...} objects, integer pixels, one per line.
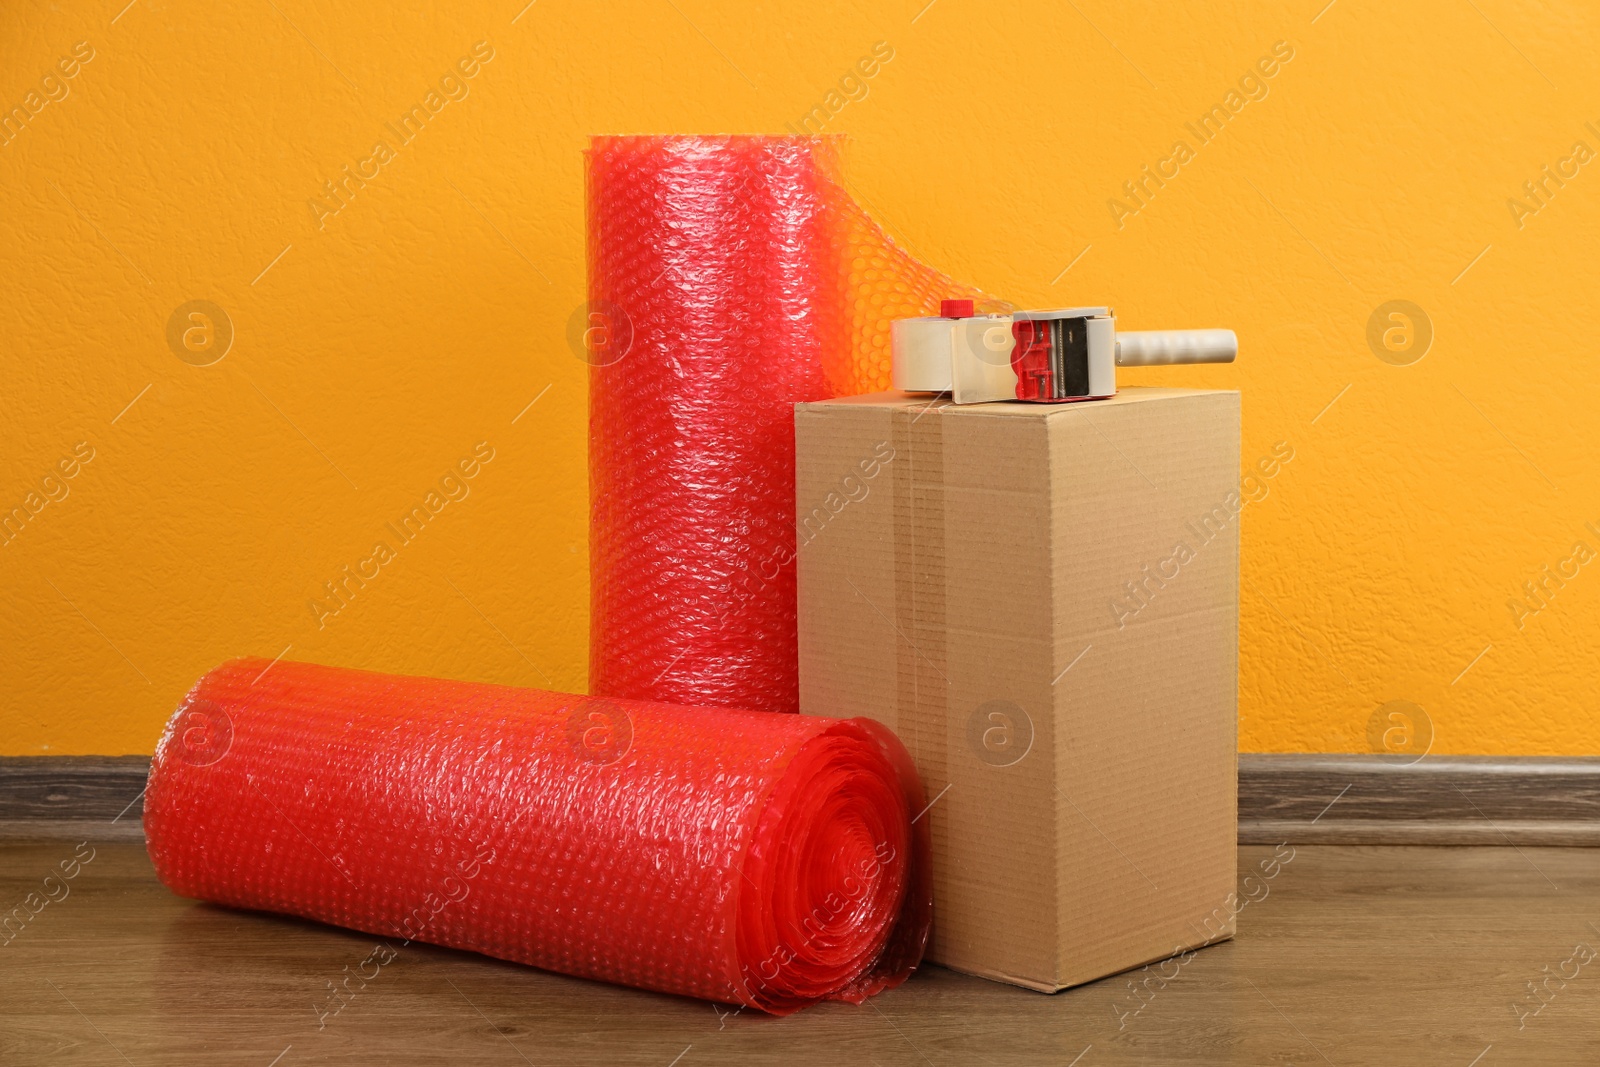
[{"x": 1145, "y": 348}]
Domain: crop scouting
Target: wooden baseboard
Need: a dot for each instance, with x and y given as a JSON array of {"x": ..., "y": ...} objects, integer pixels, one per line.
[
  {"x": 1302, "y": 799},
  {"x": 85, "y": 797},
  {"x": 1439, "y": 800}
]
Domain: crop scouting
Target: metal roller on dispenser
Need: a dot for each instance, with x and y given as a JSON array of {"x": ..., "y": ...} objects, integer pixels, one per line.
[{"x": 1049, "y": 357}]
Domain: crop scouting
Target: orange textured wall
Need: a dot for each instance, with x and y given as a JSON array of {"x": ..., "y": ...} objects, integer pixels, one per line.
[{"x": 225, "y": 383}]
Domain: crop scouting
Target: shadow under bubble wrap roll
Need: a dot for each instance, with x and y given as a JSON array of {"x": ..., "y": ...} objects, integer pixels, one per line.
[
  {"x": 729, "y": 279},
  {"x": 742, "y": 857}
]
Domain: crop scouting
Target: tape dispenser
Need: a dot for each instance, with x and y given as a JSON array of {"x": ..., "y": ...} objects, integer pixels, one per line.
[{"x": 1049, "y": 357}]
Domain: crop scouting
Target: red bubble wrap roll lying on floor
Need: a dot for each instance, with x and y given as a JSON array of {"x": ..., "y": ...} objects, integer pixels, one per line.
[
  {"x": 729, "y": 279},
  {"x": 765, "y": 860}
]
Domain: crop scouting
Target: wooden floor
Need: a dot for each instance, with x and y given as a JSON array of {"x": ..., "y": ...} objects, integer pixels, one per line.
[{"x": 1357, "y": 955}]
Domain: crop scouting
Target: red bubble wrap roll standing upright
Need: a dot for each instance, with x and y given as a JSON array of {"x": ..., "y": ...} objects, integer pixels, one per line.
[
  {"x": 765, "y": 860},
  {"x": 729, "y": 279}
]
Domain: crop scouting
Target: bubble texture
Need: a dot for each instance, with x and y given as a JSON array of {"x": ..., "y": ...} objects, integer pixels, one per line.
[
  {"x": 742, "y": 857},
  {"x": 750, "y": 281}
]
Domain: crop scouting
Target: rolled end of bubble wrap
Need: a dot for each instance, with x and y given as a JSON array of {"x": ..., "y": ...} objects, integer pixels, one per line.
[{"x": 766, "y": 860}]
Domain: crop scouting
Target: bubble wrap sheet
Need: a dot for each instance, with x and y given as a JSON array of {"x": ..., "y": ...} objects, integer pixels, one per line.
[
  {"x": 742, "y": 857},
  {"x": 729, "y": 279}
]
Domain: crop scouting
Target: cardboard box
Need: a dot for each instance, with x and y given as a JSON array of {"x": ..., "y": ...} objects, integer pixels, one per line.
[{"x": 1042, "y": 600}]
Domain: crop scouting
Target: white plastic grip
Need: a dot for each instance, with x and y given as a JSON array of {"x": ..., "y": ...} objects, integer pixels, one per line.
[{"x": 1144, "y": 348}]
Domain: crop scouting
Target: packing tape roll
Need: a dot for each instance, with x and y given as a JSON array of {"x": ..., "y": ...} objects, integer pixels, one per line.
[{"x": 764, "y": 860}]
